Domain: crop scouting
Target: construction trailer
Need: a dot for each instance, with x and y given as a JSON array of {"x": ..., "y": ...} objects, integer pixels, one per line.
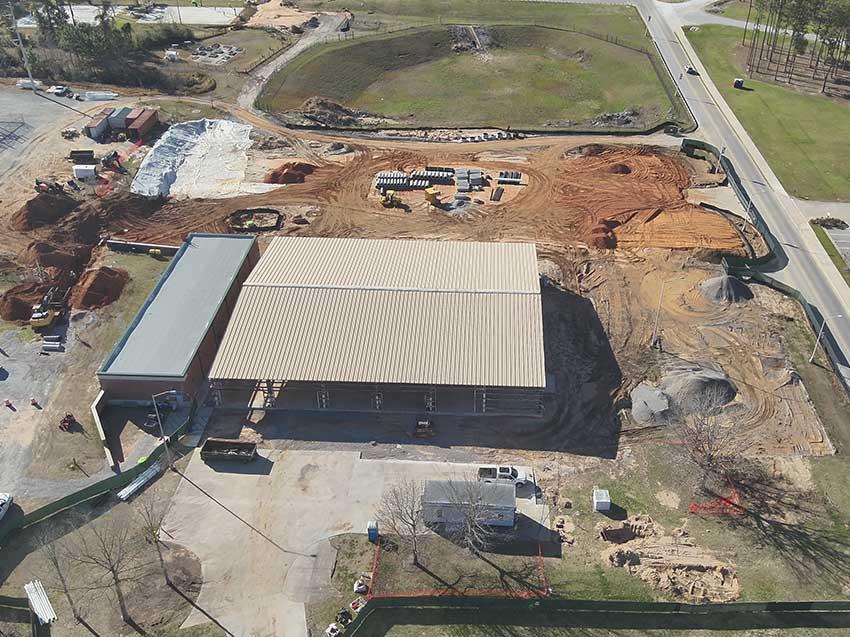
[
  {"x": 142, "y": 124},
  {"x": 96, "y": 127},
  {"x": 118, "y": 119},
  {"x": 396, "y": 326},
  {"x": 448, "y": 503},
  {"x": 173, "y": 339}
]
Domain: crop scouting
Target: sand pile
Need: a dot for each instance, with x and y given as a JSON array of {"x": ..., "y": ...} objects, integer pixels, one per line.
[
  {"x": 43, "y": 209},
  {"x": 98, "y": 287},
  {"x": 669, "y": 563},
  {"x": 292, "y": 173},
  {"x": 698, "y": 386},
  {"x": 726, "y": 290}
]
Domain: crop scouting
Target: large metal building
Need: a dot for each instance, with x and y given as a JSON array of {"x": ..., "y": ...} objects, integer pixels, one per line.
[{"x": 388, "y": 325}]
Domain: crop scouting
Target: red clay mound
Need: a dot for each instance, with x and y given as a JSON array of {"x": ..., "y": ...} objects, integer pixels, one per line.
[
  {"x": 98, "y": 287},
  {"x": 16, "y": 303},
  {"x": 43, "y": 209},
  {"x": 49, "y": 256},
  {"x": 293, "y": 173}
]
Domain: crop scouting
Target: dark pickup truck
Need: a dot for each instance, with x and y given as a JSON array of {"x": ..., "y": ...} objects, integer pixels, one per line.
[{"x": 225, "y": 449}]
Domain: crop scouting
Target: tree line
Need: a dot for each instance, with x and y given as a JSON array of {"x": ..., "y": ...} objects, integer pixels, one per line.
[
  {"x": 107, "y": 51},
  {"x": 806, "y": 41}
]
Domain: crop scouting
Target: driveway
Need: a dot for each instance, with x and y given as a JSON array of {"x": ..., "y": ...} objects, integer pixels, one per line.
[{"x": 259, "y": 529}]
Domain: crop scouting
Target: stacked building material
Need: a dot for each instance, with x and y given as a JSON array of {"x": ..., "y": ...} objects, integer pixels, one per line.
[{"x": 511, "y": 177}]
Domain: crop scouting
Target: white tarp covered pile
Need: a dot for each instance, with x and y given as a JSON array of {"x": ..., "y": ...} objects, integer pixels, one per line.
[{"x": 201, "y": 159}]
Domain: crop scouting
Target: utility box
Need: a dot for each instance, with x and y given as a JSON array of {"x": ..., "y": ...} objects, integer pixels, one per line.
[
  {"x": 85, "y": 171},
  {"x": 601, "y": 500},
  {"x": 372, "y": 531}
]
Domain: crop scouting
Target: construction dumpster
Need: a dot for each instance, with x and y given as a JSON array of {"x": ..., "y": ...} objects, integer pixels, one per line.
[{"x": 226, "y": 449}]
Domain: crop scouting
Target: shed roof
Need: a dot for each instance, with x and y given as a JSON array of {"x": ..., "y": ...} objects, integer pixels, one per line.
[
  {"x": 496, "y": 494},
  {"x": 167, "y": 331},
  {"x": 388, "y": 311}
]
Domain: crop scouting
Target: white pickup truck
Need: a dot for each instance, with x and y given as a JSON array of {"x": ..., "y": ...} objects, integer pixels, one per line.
[{"x": 510, "y": 475}]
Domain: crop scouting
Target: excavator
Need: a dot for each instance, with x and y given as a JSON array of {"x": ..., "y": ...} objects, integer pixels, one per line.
[{"x": 391, "y": 200}]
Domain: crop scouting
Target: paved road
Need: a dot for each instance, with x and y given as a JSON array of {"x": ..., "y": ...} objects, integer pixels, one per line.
[{"x": 805, "y": 265}]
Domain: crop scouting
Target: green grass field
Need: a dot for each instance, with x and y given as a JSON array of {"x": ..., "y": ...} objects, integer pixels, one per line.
[
  {"x": 529, "y": 76},
  {"x": 622, "y": 22},
  {"x": 737, "y": 10},
  {"x": 803, "y": 136}
]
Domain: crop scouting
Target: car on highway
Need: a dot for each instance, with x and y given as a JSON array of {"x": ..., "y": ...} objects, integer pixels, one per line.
[
  {"x": 5, "y": 502},
  {"x": 691, "y": 70},
  {"x": 517, "y": 476}
]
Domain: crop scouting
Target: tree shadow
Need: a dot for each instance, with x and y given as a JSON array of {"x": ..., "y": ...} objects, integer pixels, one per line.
[
  {"x": 791, "y": 522},
  {"x": 194, "y": 605}
]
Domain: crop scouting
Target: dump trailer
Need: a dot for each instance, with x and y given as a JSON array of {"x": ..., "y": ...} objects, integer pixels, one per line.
[{"x": 226, "y": 449}]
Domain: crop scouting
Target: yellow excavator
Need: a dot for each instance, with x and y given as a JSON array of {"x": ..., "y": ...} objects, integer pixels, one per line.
[{"x": 391, "y": 200}]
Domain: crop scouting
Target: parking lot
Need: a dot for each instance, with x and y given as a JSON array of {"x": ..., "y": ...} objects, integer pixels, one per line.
[
  {"x": 841, "y": 239},
  {"x": 261, "y": 529}
]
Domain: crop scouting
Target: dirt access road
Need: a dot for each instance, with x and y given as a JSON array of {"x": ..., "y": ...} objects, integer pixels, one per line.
[{"x": 328, "y": 24}]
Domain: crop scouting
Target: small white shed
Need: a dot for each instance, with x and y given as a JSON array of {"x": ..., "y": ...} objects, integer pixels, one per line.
[
  {"x": 85, "y": 171},
  {"x": 445, "y": 501},
  {"x": 601, "y": 500}
]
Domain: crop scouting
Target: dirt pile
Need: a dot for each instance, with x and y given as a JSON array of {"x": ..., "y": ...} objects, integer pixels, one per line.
[
  {"x": 633, "y": 196},
  {"x": 698, "y": 387},
  {"x": 43, "y": 209},
  {"x": 16, "y": 303},
  {"x": 669, "y": 563},
  {"x": 725, "y": 290},
  {"x": 98, "y": 287},
  {"x": 290, "y": 173},
  {"x": 329, "y": 113}
]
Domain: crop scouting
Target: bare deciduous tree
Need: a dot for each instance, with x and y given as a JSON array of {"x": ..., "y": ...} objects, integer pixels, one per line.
[
  {"x": 705, "y": 436},
  {"x": 400, "y": 511},
  {"x": 150, "y": 514},
  {"x": 471, "y": 526},
  {"x": 111, "y": 550}
]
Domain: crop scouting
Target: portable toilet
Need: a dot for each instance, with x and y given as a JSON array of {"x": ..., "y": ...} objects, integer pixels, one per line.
[
  {"x": 601, "y": 500},
  {"x": 372, "y": 531}
]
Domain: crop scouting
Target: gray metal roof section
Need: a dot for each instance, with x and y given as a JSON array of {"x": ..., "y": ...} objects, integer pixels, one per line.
[
  {"x": 464, "y": 492},
  {"x": 388, "y": 311},
  {"x": 167, "y": 331}
]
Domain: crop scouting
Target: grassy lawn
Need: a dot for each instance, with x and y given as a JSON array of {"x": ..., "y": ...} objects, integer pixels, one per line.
[
  {"x": 622, "y": 22},
  {"x": 531, "y": 630},
  {"x": 832, "y": 251},
  {"x": 174, "y": 111},
  {"x": 737, "y": 10},
  {"x": 417, "y": 80},
  {"x": 446, "y": 568},
  {"x": 801, "y": 135}
]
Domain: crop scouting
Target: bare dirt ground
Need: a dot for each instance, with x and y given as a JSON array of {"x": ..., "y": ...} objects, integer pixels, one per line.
[{"x": 271, "y": 14}]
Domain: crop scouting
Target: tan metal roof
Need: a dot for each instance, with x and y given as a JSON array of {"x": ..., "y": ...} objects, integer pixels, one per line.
[
  {"x": 392, "y": 264},
  {"x": 388, "y": 311}
]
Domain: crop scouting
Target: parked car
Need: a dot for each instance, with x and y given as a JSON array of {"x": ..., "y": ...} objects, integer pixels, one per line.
[
  {"x": 507, "y": 474},
  {"x": 5, "y": 502},
  {"x": 58, "y": 90}
]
